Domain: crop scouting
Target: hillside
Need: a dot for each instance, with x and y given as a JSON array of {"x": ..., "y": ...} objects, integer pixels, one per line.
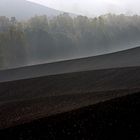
[
  {"x": 22, "y": 9},
  {"x": 35, "y": 92},
  {"x": 126, "y": 58},
  {"x": 111, "y": 120},
  {"x": 26, "y": 100}
]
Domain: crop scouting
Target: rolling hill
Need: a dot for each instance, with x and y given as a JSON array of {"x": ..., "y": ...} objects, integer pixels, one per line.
[
  {"x": 22, "y": 9},
  {"x": 126, "y": 58},
  {"x": 88, "y": 97},
  {"x": 35, "y": 92}
]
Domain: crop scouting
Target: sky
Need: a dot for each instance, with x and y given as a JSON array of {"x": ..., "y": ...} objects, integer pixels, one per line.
[{"x": 93, "y": 7}]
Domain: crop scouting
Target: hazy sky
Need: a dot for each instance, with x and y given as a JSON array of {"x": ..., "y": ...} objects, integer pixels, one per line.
[{"x": 93, "y": 7}]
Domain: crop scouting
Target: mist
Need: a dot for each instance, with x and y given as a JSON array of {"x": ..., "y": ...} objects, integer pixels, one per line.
[
  {"x": 29, "y": 36},
  {"x": 44, "y": 40},
  {"x": 93, "y": 8}
]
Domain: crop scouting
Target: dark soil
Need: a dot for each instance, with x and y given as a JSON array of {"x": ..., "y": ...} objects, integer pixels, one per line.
[
  {"x": 23, "y": 101},
  {"x": 112, "y": 120}
]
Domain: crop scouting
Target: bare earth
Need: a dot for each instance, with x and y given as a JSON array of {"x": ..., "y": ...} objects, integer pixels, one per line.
[{"x": 24, "y": 100}]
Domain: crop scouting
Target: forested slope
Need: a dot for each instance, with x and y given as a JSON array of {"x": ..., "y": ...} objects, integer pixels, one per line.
[{"x": 42, "y": 40}]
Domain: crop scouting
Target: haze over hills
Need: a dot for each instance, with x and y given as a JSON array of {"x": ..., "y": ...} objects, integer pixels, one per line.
[
  {"x": 22, "y": 9},
  {"x": 43, "y": 40}
]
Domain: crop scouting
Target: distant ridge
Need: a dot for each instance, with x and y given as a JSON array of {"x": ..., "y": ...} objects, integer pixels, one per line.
[{"x": 23, "y": 9}]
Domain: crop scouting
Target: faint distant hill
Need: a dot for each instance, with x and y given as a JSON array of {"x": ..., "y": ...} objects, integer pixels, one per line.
[{"x": 23, "y": 9}]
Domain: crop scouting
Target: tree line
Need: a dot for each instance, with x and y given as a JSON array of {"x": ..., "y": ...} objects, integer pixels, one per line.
[{"x": 41, "y": 39}]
